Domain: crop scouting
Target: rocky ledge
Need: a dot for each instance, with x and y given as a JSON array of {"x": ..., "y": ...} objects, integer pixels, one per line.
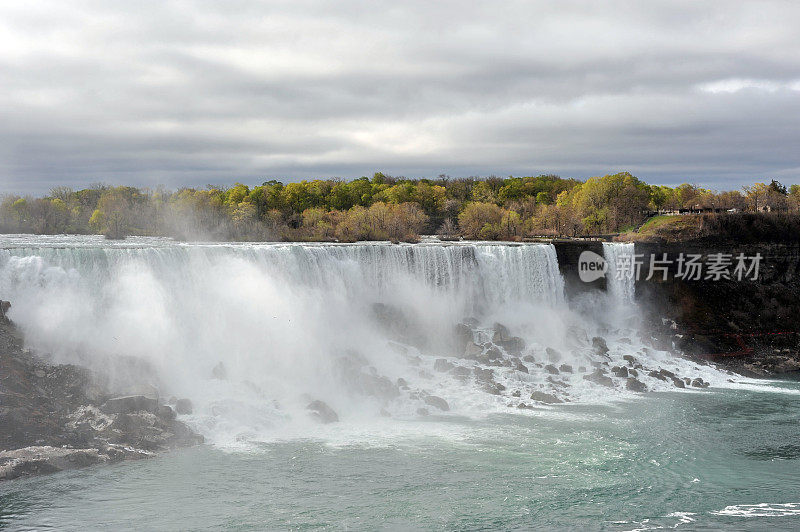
[{"x": 57, "y": 417}]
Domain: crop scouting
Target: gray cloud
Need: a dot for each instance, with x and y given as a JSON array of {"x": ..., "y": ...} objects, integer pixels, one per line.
[{"x": 190, "y": 92}]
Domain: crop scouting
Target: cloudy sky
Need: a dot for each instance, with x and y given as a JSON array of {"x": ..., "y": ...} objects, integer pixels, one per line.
[{"x": 193, "y": 92}]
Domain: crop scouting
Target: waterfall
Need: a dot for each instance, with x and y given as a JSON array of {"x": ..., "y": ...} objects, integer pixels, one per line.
[
  {"x": 252, "y": 333},
  {"x": 621, "y": 274}
]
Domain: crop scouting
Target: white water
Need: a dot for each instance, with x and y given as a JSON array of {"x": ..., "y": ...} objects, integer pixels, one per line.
[
  {"x": 621, "y": 273},
  {"x": 282, "y": 317}
]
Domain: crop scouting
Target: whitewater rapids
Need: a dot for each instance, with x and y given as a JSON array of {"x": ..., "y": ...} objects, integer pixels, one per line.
[{"x": 252, "y": 333}]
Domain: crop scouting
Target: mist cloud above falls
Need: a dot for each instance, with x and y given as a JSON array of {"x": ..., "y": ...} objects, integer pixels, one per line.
[{"x": 190, "y": 92}]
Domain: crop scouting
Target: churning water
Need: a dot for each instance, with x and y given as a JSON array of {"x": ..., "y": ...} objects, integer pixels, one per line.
[{"x": 537, "y": 430}]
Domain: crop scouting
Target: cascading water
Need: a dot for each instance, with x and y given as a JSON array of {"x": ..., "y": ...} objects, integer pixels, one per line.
[
  {"x": 620, "y": 277},
  {"x": 252, "y": 333}
]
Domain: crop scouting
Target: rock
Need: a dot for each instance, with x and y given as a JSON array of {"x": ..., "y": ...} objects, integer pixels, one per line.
[
  {"x": 553, "y": 355},
  {"x": 657, "y": 375},
  {"x": 529, "y": 358},
  {"x": 184, "y": 407},
  {"x": 463, "y": 334},
  {"x": 166, "y": 413},
  {"x": 523, "y": 406},
  {"x": 501, "y": 333},
  {"x": 599, "y": 378},
  {"x": 565, "y": 368},
  {"x": 494, "y": 353},
  {"x": 438, "y": 402},
  {"x": 582, "y": 369},
  {"x": 516, "y": 393},
  {"x": 460, "y": 372},
  {"x": 635, "y": 385},
  {"x": 668, "y": 374},
  {"x": 473, "y": 351},
  {"x": 442, "y": 365},
  {"x": 514, "y": 345},
  {"x": 483, "y": 375},
  {"x": 551, "y": 369},
  {"x": 633, "y": 373},
  {"x": 620, "y": 371},
  {"x": 625, "y": 340},
  {"x": 544, "y": 397},
  {"x": 322, "y": 412},
  {"x": 129, "y": 404},
  {"x": 699, "y": 383},
  {"x": 494, "y": 388},
  {"x": 630, "y": 358},
  {"x": 46, "y": 459},
  {"x": 678, "y": 382},
  {"x": 401, "y": 383},
  {"x": 519, "y": 366},
  {"x": 4, "y": 308},
  {"x": 219, "y": 372},
  {"x": 600, "y": 346}
]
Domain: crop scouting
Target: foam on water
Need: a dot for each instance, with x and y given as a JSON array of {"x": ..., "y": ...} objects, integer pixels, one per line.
[{"x": 291, "y": 323}]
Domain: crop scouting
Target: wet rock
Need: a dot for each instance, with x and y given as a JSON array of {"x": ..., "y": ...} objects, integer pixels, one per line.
[
  {"x": 523, "y": 406},
  {"x": 473, "y": 351},
  {"x": 463, "y": 334},
  {"x": 519, "y": 366},
  {"x": 678, "y": 382},
  {"x": 184, "y": 407},
  {"x": 529, "y": 358},
  {"x": 516, "y": 393},
  {"x": 514, "y": 345},
  {"x": 437, "y": 402},
  {"x": 599, "y": 345},
  {"x": 620, "y": 371},
  {"x": 630, "y": 358},
  {"x": 129, "y": 404},
  {"x": 501, "y": 333},
  {"x": 635, "y": 385},
  {"x": 565, "y": 368},
  {"x": 544, "y": 397},
  {"x": 322, "y": 412},
  {"x": 166, "y": 413},
  {"x": 668, "y": 374},
  {"x": 493, "y": 353},
  {"x": 699, "y": 383},
  {"x": 494, "y": 388},
  {"x": 687, "y": 381},
  {"x": 557, "y": 383},
  {"x": 46, "y": 459},
  {"x": 551, "y": 369},
  {"x": 219, "y": 372},
  {"x": 483, "y": 375},
  {"x": 625, "y": 340},
  {"x": 401, "y": 383},
  {"x": 582, "y": 369},
  {"x": 460, "y": 372},
  {"x": 553, "y": 355},
  {"x": 633, "y": 373},
  {"x": 599, "y": 378},
  {"x": 442, "y": 365},
  {"x": 657, "y": 375}
]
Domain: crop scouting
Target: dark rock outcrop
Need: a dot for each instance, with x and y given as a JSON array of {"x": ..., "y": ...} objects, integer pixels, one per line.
[
  {"x": 56, "y": 417},
  {"x": 323, "y": 413}
]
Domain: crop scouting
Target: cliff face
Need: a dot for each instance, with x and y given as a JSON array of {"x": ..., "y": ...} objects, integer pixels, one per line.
[{"x": 750, "y": 326}]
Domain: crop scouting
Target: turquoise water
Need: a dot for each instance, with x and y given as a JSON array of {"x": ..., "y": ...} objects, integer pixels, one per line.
[{"x": 694, "y": 461}]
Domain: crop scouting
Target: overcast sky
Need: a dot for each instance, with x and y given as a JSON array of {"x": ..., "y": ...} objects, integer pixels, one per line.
[{"x": 195, "y": 92}]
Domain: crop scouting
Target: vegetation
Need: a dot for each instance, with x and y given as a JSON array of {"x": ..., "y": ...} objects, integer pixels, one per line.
[{"x": 380, "y": 208}]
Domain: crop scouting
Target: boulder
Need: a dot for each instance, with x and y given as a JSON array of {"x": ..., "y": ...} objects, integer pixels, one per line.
[
  {"x": 322, "y": 412},
  {"x": 494, "y": 353},
  {"x": 438, "y": 402},
  {"x": 678, "y": 382},
  {"x": 553, "y": 355},
  {"x": 630, "y": 358},
  {"x": 600, "y": 346},
  {"x": 460, "y": 372},
  {"x": 620, "y": 371},
  {"x": 473, "y": 351},
  {"x": 565, "y": 368},
  {"x": 551, "y": 369},
  {"x": 657, "y": 375},
  {"x": 543, "y": 397},
  {"x": 501, "y": 333},
  {"x": 463, "y": 335},
  {"x": 699, "y": 383},
  {"x": 519, "y": 366},
  {"x": 599, "y": 378},
  {"x": 529, "y": 358},
  {"x": 635, "y": 385},
  {"x": 129, "y": 404},
  {"x": 442, "y": 365},
  {"x": 184, "y": 407},
  {"x": 46, "y": 459},
  {"x": 513, "y": 345}
]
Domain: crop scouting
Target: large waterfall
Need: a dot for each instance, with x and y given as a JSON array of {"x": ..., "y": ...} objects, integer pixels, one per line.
[{"x": 253, "y": 333}]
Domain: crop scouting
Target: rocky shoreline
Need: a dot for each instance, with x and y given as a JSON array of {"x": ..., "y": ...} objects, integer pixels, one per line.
[{"x": 57, "y": 417}]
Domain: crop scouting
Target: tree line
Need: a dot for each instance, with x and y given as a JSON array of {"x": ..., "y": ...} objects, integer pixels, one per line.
[{"x": 378, "y": 208}]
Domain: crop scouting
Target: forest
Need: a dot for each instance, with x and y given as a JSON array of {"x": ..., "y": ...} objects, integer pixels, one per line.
[{"x": 379, "y": 208}]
